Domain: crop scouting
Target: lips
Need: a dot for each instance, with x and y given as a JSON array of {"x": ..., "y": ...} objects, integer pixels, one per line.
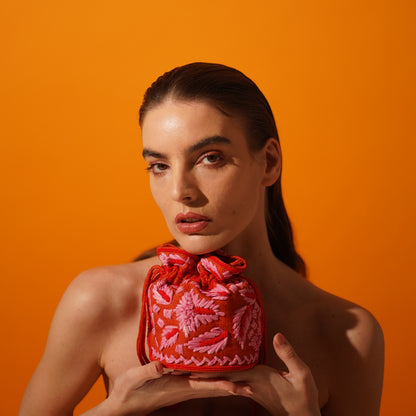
[{"x": 191, "y": 223}]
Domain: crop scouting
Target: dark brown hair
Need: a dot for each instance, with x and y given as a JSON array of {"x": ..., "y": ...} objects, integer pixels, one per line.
[{"x": 234, "y": 94}]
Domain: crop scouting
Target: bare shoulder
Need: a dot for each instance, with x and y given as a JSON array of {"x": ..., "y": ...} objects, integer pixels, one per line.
[
  {"x": 354, "y": 345},
  {"x": 332, "y": 320},
  {"x": 345, "y": 322},
  {"x": 93, "y": 306},
  {"x": 106, "y": 292}
]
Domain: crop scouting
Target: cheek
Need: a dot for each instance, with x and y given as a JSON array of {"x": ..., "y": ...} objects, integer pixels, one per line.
[
  {"x": 159, "y": 195},
  {"x": 238, "y": 194}
]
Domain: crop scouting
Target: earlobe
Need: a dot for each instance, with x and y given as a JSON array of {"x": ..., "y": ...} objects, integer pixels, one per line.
[{"x": 273, "y": 160}]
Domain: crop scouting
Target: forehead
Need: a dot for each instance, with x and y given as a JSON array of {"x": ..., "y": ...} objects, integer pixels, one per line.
[{"x": 183, "y": 122}]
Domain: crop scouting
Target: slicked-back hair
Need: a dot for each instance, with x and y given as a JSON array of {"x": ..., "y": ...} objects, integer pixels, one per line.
[{"x": 236, "y": 95}]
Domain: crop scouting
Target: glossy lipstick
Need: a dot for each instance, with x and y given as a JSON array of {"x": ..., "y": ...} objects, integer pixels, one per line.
[{"x": 191, "y": 223}]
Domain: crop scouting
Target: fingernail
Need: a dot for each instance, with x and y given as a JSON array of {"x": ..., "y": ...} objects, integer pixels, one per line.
[
  {"x": 159, "y": 366},
  {"x": 167, "y": 370},
  {"x": 280, "y": 339},
  {"x": 247, "y": 390}
]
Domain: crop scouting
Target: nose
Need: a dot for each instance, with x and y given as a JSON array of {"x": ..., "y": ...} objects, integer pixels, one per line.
[{"x": 184, "y": 187}]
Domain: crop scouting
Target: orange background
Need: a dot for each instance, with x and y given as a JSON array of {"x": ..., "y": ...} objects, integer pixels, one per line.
[{"x": 340, "y": 76}]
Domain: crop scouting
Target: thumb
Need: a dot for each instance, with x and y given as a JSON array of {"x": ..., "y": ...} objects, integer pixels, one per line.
[
  {"x": 141, "y": 374},
  {"x": 287, "y": 354}
]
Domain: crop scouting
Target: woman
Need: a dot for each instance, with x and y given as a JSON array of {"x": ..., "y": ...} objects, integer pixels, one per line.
[{"x": 213, "y": 154}]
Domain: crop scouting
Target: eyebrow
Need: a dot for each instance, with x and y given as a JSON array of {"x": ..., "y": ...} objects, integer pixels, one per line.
[{"x": 195, "y": 147}]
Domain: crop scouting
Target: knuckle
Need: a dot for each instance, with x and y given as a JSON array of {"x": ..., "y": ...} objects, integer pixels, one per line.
[
  {"x": 151, "y": 370},
  {"x": 290, "y": 353}
]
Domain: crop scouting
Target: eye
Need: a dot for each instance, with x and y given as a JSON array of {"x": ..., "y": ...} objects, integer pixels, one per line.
[
  {"x": 157, "y": 168},
  {"x": 211, "y": 159}
]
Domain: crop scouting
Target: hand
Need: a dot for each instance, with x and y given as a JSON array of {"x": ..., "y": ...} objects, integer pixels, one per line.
[
  {"x": 141, "y": 390},
  {"x": 291, "y": 393}
]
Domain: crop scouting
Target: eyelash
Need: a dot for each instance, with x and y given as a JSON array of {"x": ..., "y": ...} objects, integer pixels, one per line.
[
  {"x": 151, "y": 168},
  {"x": 218, "y": 156},
  {"x": 219, "y": 159}
]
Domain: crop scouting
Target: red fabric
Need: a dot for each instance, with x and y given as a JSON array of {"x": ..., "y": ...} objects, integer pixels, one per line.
[{"x": 201, "y": 314}]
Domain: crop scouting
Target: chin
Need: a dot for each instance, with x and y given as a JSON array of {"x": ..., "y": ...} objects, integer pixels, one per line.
[{"x": 200, "y": 244}]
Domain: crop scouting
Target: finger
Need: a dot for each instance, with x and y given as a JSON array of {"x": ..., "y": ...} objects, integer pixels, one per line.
[
  {"x": 207, "y": 374},
  {"x": 288, "y": 355},
  {"x": 218, "y": 387},
  {"x": 138, "y": 376}
]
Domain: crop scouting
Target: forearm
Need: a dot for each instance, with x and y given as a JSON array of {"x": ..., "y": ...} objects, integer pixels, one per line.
[{"x": 100, "y": 410}]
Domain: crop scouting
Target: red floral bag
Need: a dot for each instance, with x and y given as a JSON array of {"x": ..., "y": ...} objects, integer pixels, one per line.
[{"x": 201, "y": 314}]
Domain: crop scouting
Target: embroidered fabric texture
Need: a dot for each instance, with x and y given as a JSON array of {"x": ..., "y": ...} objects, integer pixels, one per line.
[{"x": 200, "y": 313}]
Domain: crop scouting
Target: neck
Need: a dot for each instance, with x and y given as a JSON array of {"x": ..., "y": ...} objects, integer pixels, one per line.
[{"x": 254, "y": 247}]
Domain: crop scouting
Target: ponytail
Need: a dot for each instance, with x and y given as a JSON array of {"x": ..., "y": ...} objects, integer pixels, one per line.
[{"x": 279, "y": 230}]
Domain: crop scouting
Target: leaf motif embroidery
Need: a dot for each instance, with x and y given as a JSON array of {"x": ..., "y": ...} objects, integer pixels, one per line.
[
  {"x": 209, "y": 342},
  {"x": 171, "y": 259},
  {"x": 248, "y": 294},
  {"x": 255, "y": 333},
  {"x": 162, "y": 293},
  {"x": 218, "y": 292},
  {"x": 169, "y": 336},
  {"x": 241, "y": 323},
  {"x": 210, "y": 267}
]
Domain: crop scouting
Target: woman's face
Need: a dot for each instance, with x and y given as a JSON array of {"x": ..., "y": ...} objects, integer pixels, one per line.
[{"x": 203, "y": 177}]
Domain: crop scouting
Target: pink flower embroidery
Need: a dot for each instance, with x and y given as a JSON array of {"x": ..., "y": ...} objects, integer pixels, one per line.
[
  {"x": 209, "y": 342},
  {"x": 192, "y": 311},
  {"x": 169, "y": 336}
]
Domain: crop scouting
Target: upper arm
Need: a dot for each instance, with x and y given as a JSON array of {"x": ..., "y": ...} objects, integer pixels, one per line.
[
  {"x": 71, "y": 360},
  {"x": 358, "y": 366}
]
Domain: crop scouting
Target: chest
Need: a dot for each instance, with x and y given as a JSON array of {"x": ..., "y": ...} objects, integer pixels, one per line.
[{"x": 120, "y": 354}]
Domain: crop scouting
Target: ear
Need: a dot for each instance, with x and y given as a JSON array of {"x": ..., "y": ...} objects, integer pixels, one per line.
[{"x": 273, "y": 160}]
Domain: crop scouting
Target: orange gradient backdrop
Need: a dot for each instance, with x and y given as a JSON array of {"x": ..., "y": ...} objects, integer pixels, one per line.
[{"x": 340, "y": 77}]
